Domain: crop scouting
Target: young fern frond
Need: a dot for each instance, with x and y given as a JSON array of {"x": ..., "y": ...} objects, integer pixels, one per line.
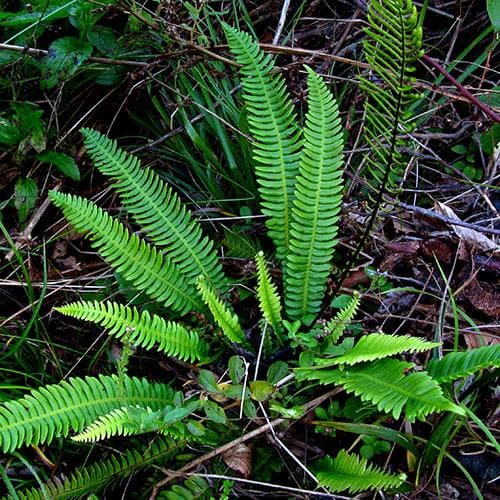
[
  {"x": 336, "y": 326},
  {"x": 379, "y": 345},
  {"x": 316, "y": 205},
  {"x": 385, "y": 384},
  {"x": 158, "y": 210},
  {"x": 142, "y": 329},
  {"x": 137, "y": 261},
  {"x": 277, "y": 137},
  {"x": 457, "y": 365},
  {"x": 353, "y": 473},
  {"x": 99, "y": 475},
  {"x": 56, "y": 410},
  {"x": 393, "y": 43},
  {"x": 227, "y": 320},
  {"x": 269, "y": 300}
]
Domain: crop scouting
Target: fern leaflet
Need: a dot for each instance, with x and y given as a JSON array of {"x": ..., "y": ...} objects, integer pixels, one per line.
[
  {"x": 336, "y": 326},
  {"x": 353, "y": 473},
  {"x": 269, "y": 300},
  {"x": 316, "y": 205},
  {"x": 273, "y": 123},
  {"x": 158, "y": 210},
  {"x": 137, "y": 261},
  {"x": 142, "y": 329}
]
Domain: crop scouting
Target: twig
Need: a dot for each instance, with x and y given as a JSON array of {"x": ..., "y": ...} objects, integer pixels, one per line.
[
  {"x": 26, "y": 234},
  {"x": 472, "y": 98},
  {"x": 41, "y": 52},
  {"x": 281, "y": 22}
]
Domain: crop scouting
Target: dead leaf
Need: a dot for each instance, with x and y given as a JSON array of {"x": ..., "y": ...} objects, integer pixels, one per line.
[
  {"x": 466, "y": 234},
  {"x": 483, "y": 297},
  {"x": 239, "y": 458}
]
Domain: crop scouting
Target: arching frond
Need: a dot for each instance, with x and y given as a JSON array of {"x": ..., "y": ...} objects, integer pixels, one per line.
[
  {"x": 142, "y": 329},
  {"x": 157, "y": 208},
  {"x": 336, "y": 326},
  {"x": 269, "y": 300},
  {"x": 316, "y": 205},
  {"x": 137, "y": 261},
  {"x": 461, "y": 364},
  {"x": 273, "y": 124},
  {"x": 56, "y": 410},
  {"x": 351, "y": 472}
]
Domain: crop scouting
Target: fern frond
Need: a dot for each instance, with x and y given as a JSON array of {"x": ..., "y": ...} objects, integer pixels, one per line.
[
  {"x": 142, "y": 329},
  {"x": 56, "y": 410},
  {"x": 227, "y": 320},
  {"x": 99, "y": 475},
  {"x": 393, "y": 43},
  {"x": 269, "y": 300},
  {"x": 379, "y": 345},
  {"x": 273, "y": 124},
  {"x": 461, "y": 364},
  {"x": 316, "y": 206},
  {"x": 353, "y": 473},
  {"x": 137, "y": 261},
  {"x": 158, "y": 210},
  {"x": 385, "y": 384},
  {"x": 336, "y": 326},
  {"x": 240, "y": 245}
]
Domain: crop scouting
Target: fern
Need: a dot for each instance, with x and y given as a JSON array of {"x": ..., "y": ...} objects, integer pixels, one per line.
[
  {"x": 240, "y": 245},
  {"x": 385, "y": 384},
  {"x": 277, "y": 138},
  {"x": 97, "y": 476},
  {"x": 336, "y": 326},
  {"x": 393, "y": 43},
  {"x": 137, "y": 261},
  {"x": 316, "y": 206},
  {"x": 56, "y": 410},
  {"x": 142, "y": 329},
  {"x": 158, "y": 210},
  {"x": 269, "y": 300},
  {"x": 193, "y": 488},
  {"x": 461, "y": 364},
  {"x": 353, "y": 473}
]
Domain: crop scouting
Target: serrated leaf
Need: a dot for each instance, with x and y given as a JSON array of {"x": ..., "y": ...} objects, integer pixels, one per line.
[
  {"x": 214, "y": 412},
  {"x": 261, "y": 390},
  {"x": 276, "y": 372},
  {"x": 62, "y": 162},
  {"x": 208, "y": 381},
  {"x": 236, "y": 369}
]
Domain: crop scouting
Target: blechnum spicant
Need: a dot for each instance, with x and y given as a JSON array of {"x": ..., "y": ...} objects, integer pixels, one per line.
[{"x": 299, "y": 175}]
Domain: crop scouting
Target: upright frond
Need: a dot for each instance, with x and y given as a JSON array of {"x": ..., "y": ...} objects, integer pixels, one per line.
[
  {"x": 353, "y": 473},
  {"x": 142, "y": 329},
  {"x": 137, "y": 261},
  {"x": 336, "y": 326},
  {"x": 277, "y": 137},
  {"x": 56, "y": 410},
  {"x": 316, "y": 206},
  {"x": 269, "y": 300},
  {"x": 157, "y": 208}
]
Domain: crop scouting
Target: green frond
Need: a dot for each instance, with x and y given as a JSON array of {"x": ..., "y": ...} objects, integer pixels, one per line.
[
  {"x": 56, "y": 410},
  {"x": 316, "y": 206},
  {"x": 141, "y": 329},
  {"x": 137, "y": 261},
  {"x": 461, "y": 364},
  {"x": 99, "y": 475},
  {"x": 336, "y": 326},
  {"x": 157, "y": 209},
  {"x": 353, "y": 473},
  {"x": 240, "y": 245},
  {"x": 227, "y": 320},
  {"x": 277, "y": 137},
  {"x": 193, "y": 488},
  {"x": 392, "y": 45},
  {"x": 385, "y": 384},
  {"x": 269, "y": 300},
  {"x": 379, "y": 345}
]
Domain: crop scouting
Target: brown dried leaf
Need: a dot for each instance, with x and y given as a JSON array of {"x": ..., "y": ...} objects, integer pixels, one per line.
[
  {"x": 483, "y": 297},
  {"x": 239, "y": 459}
]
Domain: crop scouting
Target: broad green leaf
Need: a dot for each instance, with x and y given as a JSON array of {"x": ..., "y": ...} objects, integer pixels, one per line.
[
  {"x": 25, "y": 196},
  {"x": 493, "y": 7},
  {"x": 261, "y": 390},
  {"x": 63, "y": 162},
  {"x": 276, "y": 372},
  {"x": 236, "y": 369}
]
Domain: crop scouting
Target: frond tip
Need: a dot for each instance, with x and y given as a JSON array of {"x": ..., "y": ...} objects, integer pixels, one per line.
[
  {"x": 269, "y": 300},
  {"x": 353, "y": 473}
]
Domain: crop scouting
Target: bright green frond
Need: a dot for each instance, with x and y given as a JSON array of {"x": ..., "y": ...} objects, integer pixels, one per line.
[
  {"x": 227, "y": 320},
  {"x": 336, "y": 326},
  {"x": 99, "y": 475},
  {"x": 137, "y": 261},
  {"x": 353, "y": 473},
  {"x": 158, "y": 210},
  {"x": 56, "y": 410},
  {"x": 269, "y": 300},
  {"x": 142, "y": 329},
  {"x": 317, "y": 204},
  {"x": 461, "y": 364},
  {"x": 277, "y": 137},
  {"x": 378, "y": 346}
]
